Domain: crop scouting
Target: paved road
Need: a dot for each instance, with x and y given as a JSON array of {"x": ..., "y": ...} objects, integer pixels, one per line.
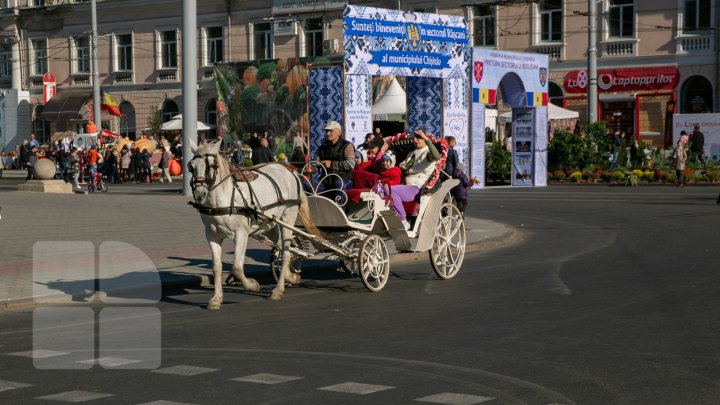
[{"x": 610, "y": 297}]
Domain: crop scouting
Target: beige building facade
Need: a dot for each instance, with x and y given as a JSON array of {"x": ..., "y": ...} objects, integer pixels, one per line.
[{"x": 653, "y": 57}]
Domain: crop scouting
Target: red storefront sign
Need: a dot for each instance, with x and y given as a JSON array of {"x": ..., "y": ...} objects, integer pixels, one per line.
[
  {"x": 48, "y": 87},
  {"x": 621, "y": 80}
]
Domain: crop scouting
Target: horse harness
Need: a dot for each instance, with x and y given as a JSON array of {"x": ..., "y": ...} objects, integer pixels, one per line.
[{"x": 238, "y": 174}]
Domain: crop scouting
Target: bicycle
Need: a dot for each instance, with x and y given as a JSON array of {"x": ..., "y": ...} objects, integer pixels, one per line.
[{"x": 97, "y": 183}]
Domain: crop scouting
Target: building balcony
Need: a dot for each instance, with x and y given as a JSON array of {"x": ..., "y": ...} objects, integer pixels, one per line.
[
  {"x": 123, "y": 77},
  {"x": 206, "y": 73},
  {"x": 36, "y": 82},
  {"x": 555, "y": 51},
  {"x": 81, "y": 79},
  {"x": 166, "y": 75},
  {"x": 688, "y": 44},
  {"x": 616, "y": 47}
]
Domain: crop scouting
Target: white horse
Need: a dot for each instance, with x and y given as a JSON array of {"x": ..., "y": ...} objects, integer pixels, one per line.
[{"x": 226, "y": 205}]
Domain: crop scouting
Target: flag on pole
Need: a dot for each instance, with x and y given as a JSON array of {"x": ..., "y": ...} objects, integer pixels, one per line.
[{"x": 109, "y": 104}]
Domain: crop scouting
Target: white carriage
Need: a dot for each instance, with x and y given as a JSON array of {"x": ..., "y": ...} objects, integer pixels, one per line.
[{"x": 357, "y": 233}]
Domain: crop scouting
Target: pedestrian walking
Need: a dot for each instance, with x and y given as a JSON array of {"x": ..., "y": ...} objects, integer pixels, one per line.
[
  {"x": 459, "y": 192},
  {"x": 697, "y": 145},
  {"x": 74, "y": 167},
  {"x": 680, "y": 155},
  {"x": 30, "y": 164}
]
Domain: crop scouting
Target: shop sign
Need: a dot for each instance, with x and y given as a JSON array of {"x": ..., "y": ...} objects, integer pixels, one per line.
[
  {"x": 49, "y": 88},
  {"x": 623, "y": 80}
]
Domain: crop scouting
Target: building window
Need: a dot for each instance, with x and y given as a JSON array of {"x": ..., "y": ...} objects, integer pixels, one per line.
[
  {"x": 5, "y": 60},
  {"x": 314, "y": 37},
  {"x": 124, "y": 52},
  {"x": 40, "y": 56},
  {"x": 39, "y": 125},
  {"x": 262, "y": 43},
  {"x": 127, "y": 121},
  {"x": 697, "y": 15},
  {"x": 555, "y": 94},
  {"x": 483, "y": 25},
  {"x": 550, "y": 20},
  {"x": 168, "y": 111},
  {"x": 82, "y": 54},
  {"x": 621, "y": 18},
  {"x": 211, "y": 117},
  {"x": 214, "y": 45},
  {"x": 168, "y": 49},
  {"x": 696, "y": 96}
]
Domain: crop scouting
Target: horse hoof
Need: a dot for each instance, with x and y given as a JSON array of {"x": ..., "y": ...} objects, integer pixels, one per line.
[
  {"x": 214, "y": 305},
  {"x": 292, "y": 278},
  {"x": 276, "y": 295},
  {"x": 252, "y": 285}
]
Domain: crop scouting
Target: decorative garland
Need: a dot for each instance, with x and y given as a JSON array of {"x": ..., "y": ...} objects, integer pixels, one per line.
[{"x": 439, "y": 143}]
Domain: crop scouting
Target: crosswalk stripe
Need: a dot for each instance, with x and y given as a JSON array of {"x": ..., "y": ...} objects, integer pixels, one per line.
[
  {"x": 75, "y": 396},
  {"x": 39, "y": 354},
  {"x": 109, "y": 361},
  {"x": 356, "y": 388},
  {"x": 265, "y": 378},
  {"x": 184, "y": 370},
  {"x": 9, "y": 385},
  {"x": 451, "y": 398}
]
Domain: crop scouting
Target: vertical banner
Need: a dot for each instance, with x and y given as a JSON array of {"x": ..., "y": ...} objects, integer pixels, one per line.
[
  {"x": 709, "y": 124},
  {"x": 541, "y": 146},
  {"x": 477, "y": 168},
  {"x": 424, "y": 102},
  {"x": 455, "y": 113},
  {"x": 325, "y": 101},
  {"x": 358, "y": 110},
  {"x": 523, "y": 127}
]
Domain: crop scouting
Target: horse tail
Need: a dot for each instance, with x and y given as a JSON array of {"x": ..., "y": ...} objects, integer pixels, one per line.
[{"x": 304, "y": 213}]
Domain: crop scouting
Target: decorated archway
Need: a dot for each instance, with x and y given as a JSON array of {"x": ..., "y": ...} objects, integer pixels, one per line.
[{"x": 523, "y": 80}]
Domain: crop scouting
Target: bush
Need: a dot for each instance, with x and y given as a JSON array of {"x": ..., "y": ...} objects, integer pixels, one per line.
[
  {"x": 712, "y": 175},
  {"x": 498, "y": 163},
  {"x": 576, "y": 176},
  {"x": 618, "y": 175},
  {"x": 648, "y": 175},
  {"x": 559, "y": 175},
  {"x": 606, "y": 175},
  {"x": 566, "y": 151}
]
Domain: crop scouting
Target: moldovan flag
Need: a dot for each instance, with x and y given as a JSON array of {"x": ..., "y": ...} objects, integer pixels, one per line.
[
  {"x": 537, "y": 99},
  {"x": 109, "y": 104},
  {"x": 484, "y": 96}
]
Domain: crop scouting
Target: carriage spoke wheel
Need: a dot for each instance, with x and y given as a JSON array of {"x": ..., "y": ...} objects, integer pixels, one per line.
[
  {"x": 374, "y": 263},
  {"x": 448, "y": 249},
  {"x": 276, "y": 260}
]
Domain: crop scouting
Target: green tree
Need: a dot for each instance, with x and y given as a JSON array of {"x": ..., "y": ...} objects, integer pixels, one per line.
[
  {"x": 567, "y": 152},
  {"x": 154, "y": 121},
  {"x": 498, "y": 163}
]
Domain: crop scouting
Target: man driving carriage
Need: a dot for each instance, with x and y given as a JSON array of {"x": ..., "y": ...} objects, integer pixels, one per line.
[{"x": 337, "y": 157}]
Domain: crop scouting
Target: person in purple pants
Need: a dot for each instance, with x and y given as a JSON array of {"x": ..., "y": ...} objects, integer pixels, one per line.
[{"x": 417, "y": 168}]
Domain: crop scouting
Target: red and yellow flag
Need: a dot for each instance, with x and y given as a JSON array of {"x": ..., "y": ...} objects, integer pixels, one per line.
[{"x": 110, "y": 105}]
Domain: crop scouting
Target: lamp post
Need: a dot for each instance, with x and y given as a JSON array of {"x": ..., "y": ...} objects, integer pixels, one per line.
[
  {"x": 94, "y": 66},
  {"x": 189, "y": 85},
  {"x": 592, "y": 63}
]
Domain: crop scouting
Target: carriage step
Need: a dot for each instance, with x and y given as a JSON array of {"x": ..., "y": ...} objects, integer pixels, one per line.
[{"x": 396, "y": 230}]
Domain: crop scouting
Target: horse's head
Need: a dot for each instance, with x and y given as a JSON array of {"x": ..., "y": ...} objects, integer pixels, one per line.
[{"x": 204, "y": 167}]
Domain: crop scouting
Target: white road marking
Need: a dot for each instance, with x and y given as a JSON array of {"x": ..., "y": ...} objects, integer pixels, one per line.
[
  {"x": 163, "y": 402},
  {"x": 9, "y": 385},
  {"x": 356, "y": 388},
  {"x": 39, "y": 354},
  {"x": 109, "y": 361},
  {"x": 264, "y": 378},
  {"x": 451, "y": 398},
  {"x": 184, "y": 370},
  {"x": 75, "y": 396}
]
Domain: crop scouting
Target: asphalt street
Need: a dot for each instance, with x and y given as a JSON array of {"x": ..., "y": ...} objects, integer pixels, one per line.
[{"x": 610, "y": 296}]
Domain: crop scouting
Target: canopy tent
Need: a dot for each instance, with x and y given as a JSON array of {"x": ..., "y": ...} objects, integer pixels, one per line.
[
  {"x": 554, "y": 113},
  {"x": 176, "y": 123},
  {"x": 392, "y": 105},
  {"x": 67, "y": 105}
]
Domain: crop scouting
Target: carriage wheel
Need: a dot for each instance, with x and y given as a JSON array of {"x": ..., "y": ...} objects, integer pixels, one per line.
[
  {"x": 276, "y": 260},
  {"x": 350, "y": 266},
  {"x": 448, "y": 249},
  {"x": 374, "y": 263}
]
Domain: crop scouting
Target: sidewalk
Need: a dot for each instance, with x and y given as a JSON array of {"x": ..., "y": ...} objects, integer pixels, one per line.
[{"x": 52, "y": 244}]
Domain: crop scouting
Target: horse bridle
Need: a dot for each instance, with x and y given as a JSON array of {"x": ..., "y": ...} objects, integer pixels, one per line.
[{"x": 208, "y": 180}]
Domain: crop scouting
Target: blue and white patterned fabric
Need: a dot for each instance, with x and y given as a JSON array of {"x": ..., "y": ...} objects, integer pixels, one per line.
[
  {"x": 424, "y": 102},
  {"x": 325, "y": 100}
]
